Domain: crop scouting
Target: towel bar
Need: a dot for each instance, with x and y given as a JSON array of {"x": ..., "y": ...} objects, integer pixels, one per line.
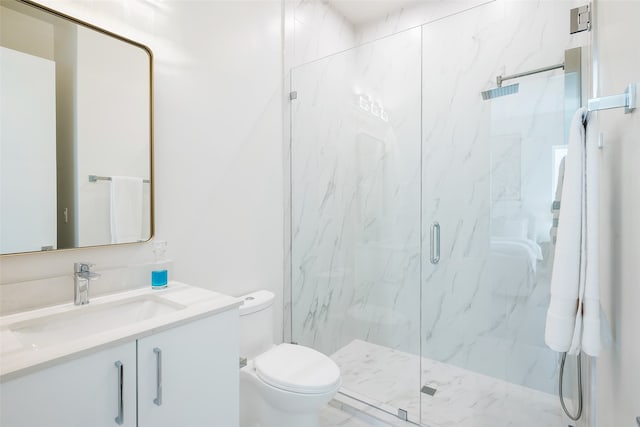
[
  {"x": 94, "y": 178},
  {"x": 628, "y": 100}
]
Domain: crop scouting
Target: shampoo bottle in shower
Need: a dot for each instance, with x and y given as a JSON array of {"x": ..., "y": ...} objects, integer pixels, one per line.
[{"x": 160, "y": 270}]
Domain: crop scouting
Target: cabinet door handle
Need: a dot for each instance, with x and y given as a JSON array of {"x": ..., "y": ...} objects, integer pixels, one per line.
[
  {"x": 435, "y": 243},
  {"x": 120, "y": 418},
  {"x": 158, "y": 399}
]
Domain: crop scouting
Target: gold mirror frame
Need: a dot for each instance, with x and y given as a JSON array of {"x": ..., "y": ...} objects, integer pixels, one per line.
[{"x": 151, "y": 125}]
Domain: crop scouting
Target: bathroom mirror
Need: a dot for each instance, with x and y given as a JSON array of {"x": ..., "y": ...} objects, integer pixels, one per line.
[{"x": 76, "y": 135}]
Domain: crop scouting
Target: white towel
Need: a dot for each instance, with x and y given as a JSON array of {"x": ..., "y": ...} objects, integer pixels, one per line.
[
  {"x": 591, "y": 311},
  {"x": 126, "y": 209},
  {"x": 573, "y": 318}
]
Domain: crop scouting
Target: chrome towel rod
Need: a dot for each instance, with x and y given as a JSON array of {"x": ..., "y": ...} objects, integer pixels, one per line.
[
  {"x": 94, "y": 178},
  {"x": 628, "y": 100},
  {"x": 500, "y": 79}
]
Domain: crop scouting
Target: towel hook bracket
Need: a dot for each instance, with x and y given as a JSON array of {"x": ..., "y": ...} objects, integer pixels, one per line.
[{"x": 628, "y": 100}]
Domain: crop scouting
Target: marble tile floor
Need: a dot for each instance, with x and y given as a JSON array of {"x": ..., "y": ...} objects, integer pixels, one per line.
[
  {"x": 334, "y": 417},
  {"x": 388, "y": 379}
]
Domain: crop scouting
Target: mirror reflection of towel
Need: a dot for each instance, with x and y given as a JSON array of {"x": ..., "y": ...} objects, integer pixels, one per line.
[{"x": 126, "y": 209}]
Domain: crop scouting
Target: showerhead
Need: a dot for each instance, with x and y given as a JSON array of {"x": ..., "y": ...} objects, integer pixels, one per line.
[{"x": 500, "y": 91}]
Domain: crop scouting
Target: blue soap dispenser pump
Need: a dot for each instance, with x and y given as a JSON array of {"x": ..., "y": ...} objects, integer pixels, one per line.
[{"x": 159, "y": 273}]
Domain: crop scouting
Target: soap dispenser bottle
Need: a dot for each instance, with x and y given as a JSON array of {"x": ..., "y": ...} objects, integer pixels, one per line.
[{"x": 160, "y": 270}]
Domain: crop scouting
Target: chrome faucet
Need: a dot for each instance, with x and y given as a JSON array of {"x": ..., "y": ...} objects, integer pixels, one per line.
[{"x": 82, "y": 279}]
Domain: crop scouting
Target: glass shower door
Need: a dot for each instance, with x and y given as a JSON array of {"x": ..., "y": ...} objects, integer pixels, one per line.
[
  {"x": 490, "y": 173},
  {"x": 355, "y": 174}
]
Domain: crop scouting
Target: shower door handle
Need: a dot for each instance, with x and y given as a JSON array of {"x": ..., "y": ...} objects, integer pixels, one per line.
[{"x": 435, "y": 243}]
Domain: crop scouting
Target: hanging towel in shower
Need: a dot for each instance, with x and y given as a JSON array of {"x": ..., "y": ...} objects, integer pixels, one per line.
[
  {"x": 126, "y": 209},
  {"x": 573, "y": 317}
]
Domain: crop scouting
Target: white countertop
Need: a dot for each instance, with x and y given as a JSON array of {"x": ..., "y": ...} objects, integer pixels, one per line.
[{"x": 17, "y": 359}]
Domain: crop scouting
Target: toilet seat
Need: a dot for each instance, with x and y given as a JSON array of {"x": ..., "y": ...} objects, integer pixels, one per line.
[{"x": 297, "y": 369}]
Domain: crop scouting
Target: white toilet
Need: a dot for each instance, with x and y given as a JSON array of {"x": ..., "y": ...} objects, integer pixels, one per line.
[{"x": 282, "y": 385}]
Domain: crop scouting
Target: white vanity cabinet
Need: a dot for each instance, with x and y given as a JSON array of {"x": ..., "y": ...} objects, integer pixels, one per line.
[
  {"x": 188, "y": 376},
  {"x": 190, "y": 380},
  {"x": 82, "y": 392}
]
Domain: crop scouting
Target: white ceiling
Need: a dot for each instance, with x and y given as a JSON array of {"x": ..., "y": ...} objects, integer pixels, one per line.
[{"x": 363, "y": 11}]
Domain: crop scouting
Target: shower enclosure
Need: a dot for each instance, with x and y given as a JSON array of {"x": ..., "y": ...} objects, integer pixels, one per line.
[{"x": 422, "y": 215}]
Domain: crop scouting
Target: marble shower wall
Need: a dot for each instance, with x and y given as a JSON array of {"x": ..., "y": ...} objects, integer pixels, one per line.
[
  {"x": 314, "y": 29},
  {"x": 355, "y": 204},
  {"x": 413, "y": 15}
]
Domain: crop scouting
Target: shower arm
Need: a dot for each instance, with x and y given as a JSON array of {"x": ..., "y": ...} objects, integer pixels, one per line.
[{"x": 500, "y": 79}]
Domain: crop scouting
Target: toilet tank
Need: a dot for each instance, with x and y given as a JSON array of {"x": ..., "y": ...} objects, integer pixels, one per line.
[{"x": 256, "y": 323}]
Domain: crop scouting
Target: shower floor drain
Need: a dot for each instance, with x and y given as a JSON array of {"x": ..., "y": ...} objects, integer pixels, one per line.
[{"x": 428, "y": 390}]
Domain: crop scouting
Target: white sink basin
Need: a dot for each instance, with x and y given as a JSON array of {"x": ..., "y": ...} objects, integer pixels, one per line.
[
  {"x": 87, "y": 320},
  {"x": 36, "y": 339}
]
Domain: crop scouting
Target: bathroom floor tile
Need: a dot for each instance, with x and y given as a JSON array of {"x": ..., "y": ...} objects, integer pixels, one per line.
[{"x": 334, "y": 417}]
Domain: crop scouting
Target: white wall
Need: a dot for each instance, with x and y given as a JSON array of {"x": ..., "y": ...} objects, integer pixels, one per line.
[
  {"x": 218, "y": 152},
  {"x": 618, "y": 376}
]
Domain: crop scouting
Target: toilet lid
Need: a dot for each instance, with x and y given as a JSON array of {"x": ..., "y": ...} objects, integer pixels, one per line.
[{"x": 298, "y": 369}]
